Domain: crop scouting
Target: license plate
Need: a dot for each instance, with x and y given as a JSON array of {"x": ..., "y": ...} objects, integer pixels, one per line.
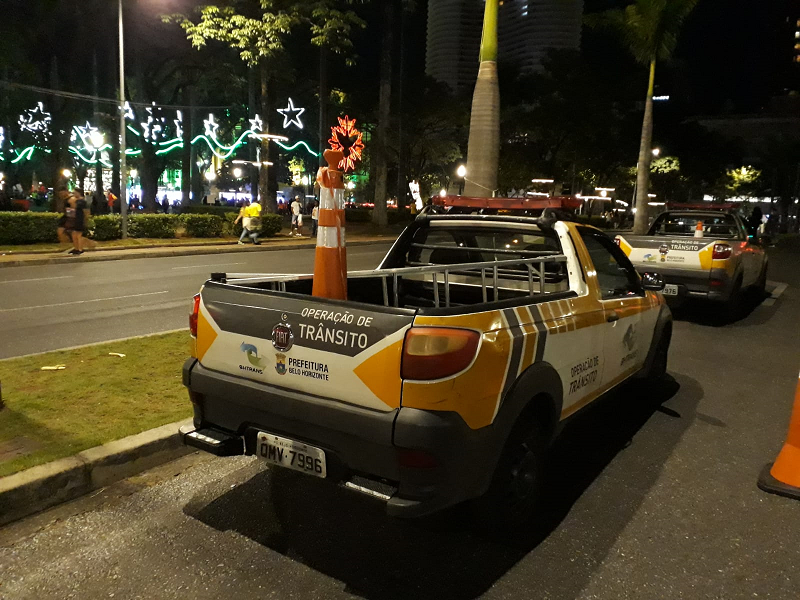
[
  {"x": 291, "y": 454},
  {"x": 670, "y": 290}
]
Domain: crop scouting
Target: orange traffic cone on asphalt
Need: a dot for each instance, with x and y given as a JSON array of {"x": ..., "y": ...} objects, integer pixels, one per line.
[
  {"x": 783, "y": 476},
  {"x": 698, "y": 231},
  {"x": 330, "y": 260}
]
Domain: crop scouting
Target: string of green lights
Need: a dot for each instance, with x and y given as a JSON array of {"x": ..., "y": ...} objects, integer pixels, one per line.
[{"x": 219, "y": 150}]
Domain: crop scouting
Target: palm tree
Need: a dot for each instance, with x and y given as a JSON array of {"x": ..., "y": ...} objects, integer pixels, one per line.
[
  {"x": 483, "y": 147},
  {"x": 650, "y": 31}
]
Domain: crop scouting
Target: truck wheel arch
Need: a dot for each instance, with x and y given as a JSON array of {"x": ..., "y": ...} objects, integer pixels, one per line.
[{"x": 537, "y": 395}]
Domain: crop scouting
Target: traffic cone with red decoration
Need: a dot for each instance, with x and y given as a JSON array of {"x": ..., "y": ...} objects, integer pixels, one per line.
[
  {"x": 330, "y": 260},
  {"x": 698, "y": 231},
  {"x": 783, "y": 476}
]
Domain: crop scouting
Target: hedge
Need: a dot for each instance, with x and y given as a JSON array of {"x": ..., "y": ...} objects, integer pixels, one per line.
[
  {"x": 41, "y": 227},
  {"x": 106, "y": 227},
  {"x": 203, "y": 226},
  {"x": 271, "y": 224},
  {"x": 364, "y": 215},
  {"x": 153, "y": 226},
  {"x": 204, "y": 209},
  {"x": 28, "y": 227}
]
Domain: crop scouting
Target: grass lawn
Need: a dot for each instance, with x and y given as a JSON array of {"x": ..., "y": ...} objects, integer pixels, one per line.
[{"x": 96, "y": 399}]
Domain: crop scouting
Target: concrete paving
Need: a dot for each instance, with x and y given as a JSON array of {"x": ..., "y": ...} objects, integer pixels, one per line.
[
  {"x": 56, "y": 306},
  {"x": 652, "y": 494}
]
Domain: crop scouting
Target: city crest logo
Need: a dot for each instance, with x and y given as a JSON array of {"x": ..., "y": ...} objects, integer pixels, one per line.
[{"x": 280, "y": 364}]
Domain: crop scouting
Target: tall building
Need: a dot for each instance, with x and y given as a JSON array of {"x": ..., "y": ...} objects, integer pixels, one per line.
[
  {"x": 453, "y": 42},
  {"x": 527, "y": 30}
]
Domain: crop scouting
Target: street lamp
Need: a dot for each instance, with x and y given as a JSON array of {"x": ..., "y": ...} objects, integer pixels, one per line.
[
  {"x": 97, "y": 140},
  {"x": 210, "y": 175},
  {"x": 656, "y": 151},
  {"x": 134, "y": 174},
  {"x": 237, "y": 172},
  {"x": 66, "y": 173},
  {"x": 461, "y": 171},
  {"x": 123, "y": 205}
]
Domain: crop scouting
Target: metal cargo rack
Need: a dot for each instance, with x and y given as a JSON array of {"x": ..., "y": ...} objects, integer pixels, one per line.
[{"x": 531, "y": 268}]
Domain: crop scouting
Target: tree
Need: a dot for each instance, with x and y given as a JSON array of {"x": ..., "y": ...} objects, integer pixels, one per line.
[
  {"x": 483, "y": 147},
  {"x": 379, "y": 215},
  {"x": 258, "y": 31},
  {"x": 649, "y": 29}
]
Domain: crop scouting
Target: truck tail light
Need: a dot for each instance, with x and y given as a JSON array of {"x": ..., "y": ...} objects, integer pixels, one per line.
[
  {"x": 721, "y": 252},
  {"x": 437, "y": 352},
  {"x": 193, "y": 316}
]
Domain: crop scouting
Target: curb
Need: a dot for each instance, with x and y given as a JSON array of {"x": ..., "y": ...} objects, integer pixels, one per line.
[
  {"x": 184, "y": 251},
  {"x": 43, "y": 486}
]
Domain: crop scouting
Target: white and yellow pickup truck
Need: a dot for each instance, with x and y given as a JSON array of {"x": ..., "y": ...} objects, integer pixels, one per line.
[
  {"x": 699, "y": 253},
  {"x": 443, "y": 376}
]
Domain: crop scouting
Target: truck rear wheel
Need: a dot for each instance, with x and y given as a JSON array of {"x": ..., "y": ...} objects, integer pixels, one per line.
[
  {"x": 734, "y": 306},
  {"x": 512, "y": 497}
]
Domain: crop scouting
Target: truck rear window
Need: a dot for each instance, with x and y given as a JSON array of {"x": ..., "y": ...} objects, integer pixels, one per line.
[
  {"x": 684, "y": 224},
  {"x": 452, "y": 245}
]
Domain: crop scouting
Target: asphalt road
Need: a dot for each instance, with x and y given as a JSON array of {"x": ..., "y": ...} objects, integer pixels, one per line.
[
  {"x": 56, "y": 306},
  {"x": 652, "y": 495}
]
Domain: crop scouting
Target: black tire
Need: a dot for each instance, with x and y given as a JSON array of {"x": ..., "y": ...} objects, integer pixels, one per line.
[
  {"x": 658, "y": 368},
  {"x": 760, "y": 286},
  {"x": 733, "y": 307},
  {"x": 513, "y": 495}
]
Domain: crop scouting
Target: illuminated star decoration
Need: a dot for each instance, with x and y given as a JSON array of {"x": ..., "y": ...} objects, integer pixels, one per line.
[
  {"x": 153, "y": 128},
  {"x": 179, "y": 125},
  {"x": 86, "y": 133},
  {"x": 36, "y": 120},
  {"x": 211, "y": 126},
  {"x": 128, "y": 111},
  {"x": 256, "y": 124},
  {"x": 291, "y": 115},
  {"x": 347, "y": 139}
]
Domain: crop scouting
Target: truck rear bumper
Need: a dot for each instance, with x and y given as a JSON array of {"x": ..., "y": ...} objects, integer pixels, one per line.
[
  {"x": 715, "y": 284},
  {"x": 432, "y": 459}
]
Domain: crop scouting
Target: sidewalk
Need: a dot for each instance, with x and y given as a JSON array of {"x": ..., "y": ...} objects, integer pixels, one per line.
[{"x": 282, "y": 241}]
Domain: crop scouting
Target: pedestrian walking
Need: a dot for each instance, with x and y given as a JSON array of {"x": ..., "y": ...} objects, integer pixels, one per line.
[
  {"x": 242, "y": 216},
  {"x": 297, "y": 218},
  {"x": 315, "y": 219},
  {"x": 72, "y": 225},
  {"x": 754, "y": 223}
]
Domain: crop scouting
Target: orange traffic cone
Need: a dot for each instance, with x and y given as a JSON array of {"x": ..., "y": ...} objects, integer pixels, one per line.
[
  {"x": 330, "y": 260},
  {"x": 698, "y": 231},
  {"x": 783, "y": 476}
]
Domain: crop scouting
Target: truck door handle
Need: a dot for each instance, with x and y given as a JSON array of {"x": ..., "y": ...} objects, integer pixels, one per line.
[{"x": 614, "y": 316}]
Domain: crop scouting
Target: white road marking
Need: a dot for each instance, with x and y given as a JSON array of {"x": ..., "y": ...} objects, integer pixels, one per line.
[
  {"x": 207, "y": 266},
  {"x": 779, "y": 288},
  {"x": 37, "y": 279},
  {"x": 83, "y": 301}
]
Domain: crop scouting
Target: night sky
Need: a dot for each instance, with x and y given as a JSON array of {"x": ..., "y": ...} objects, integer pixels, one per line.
[{"x": 732, "y": 57}]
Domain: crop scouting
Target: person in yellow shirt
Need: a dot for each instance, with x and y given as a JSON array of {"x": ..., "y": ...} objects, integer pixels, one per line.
[{"x": 250, "y": 215}]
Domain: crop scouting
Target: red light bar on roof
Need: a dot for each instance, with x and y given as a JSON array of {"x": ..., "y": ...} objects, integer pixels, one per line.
[
  {"x": 562, "y": 202},
  {"x": 701, "y": 206}
]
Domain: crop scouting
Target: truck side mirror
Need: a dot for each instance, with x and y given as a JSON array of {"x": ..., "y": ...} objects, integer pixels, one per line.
[{"x": 652, "y": 282}]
